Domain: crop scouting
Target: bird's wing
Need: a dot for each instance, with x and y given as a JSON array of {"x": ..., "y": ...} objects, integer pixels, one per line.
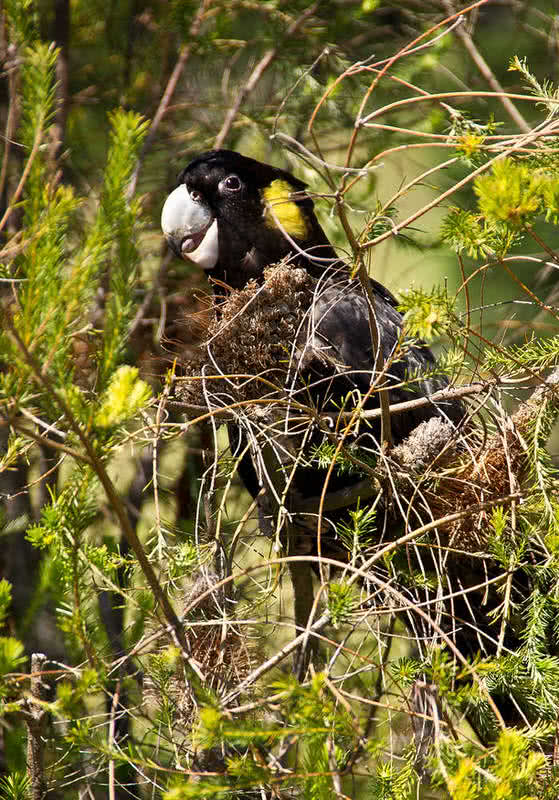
[{"x": 338, "y": 353}]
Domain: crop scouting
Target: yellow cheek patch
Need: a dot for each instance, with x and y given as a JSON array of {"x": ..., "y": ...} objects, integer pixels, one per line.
[{"x": 280, "y": 209}]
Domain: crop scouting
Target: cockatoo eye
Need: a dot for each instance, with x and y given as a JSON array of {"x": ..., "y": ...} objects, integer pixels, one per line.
[{"x": 232, "y": 183}]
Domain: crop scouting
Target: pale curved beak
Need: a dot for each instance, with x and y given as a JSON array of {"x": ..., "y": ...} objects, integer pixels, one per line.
[{"x": 190, "y": 229}]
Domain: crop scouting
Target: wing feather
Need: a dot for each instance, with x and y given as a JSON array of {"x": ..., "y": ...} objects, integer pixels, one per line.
[{"x": 339, "y": 346}]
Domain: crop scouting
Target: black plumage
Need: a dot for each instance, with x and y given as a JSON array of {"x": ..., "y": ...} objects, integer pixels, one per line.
[
  {"x": 234, "y": 217},
  {"x": 228, "y": 197}
]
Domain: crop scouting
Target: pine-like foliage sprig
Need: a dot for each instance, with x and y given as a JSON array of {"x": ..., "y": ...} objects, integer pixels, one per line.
[{"x": 120, "y": 216}]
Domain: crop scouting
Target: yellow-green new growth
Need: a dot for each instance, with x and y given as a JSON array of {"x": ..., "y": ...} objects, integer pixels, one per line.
[
  {"x": 125, "y": 395},
  {"x": 512, "y": 193}
]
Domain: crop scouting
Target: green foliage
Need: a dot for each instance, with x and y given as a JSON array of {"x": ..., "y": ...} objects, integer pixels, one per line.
[
  {"x": 322, "y": 730},
  {"x": 381, "y": 222},
  {"x": 513, "y": 193},
  {"x": 426, "y": 314},
  {"x": 163, "y": 666},
  {"x": 213, "y": 728},
  {"x": 506, "y": 548},
  {"x": 68, "y": 516},
  {"x": 119, "y": 215},
  {"x": 57, "y": 286},
  {"x": 541, "y": 469},
  {"x": 393, "y": 782},
  {"x": 5, "y": 599},
  {"x": 125, "y": 395},
  {"x": 47, "y": 212},
  {"x": 70, "y": 694},
  {"x": 15, "y": 786},
  {"x": 544, "y": 91},
  {"x": 21, "y": 16},
  {"x": 12, "y": 654},
  {"x": 510, "y": 199},
  {"x": 317, "y": 760},
  {"x": 16, "y": 445},
  {"x": 185, "y": 557},
  {"x": 348, "y": 460},
  {"x": 509, "y": 771},
  {"x": 79, "y": 733},
  {"x": 38, "y": 107},
  {"x": 357, "y": 534},
  {"x": 406, "y": 670},
  {"x": 535, "y": 353},
  {"x": 42, "y": 319},
  {"x": 499, "y": 520},
  {"x": 474, "y": 234},
  {"x": 48, "y": 588},
  {"x": 341, "y": 599},
  {"x": 199, "y": 790}
]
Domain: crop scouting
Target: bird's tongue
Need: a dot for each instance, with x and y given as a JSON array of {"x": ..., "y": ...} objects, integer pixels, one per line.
[
  {"x": 202, "y": 247},
  {"x": 191, "y": 243}
]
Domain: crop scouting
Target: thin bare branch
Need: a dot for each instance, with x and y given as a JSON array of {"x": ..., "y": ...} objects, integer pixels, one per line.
[
  {"x": 487, "y": 72},
  {"x": 184, "y": 55},
  {"x": 265, "y": 62}
]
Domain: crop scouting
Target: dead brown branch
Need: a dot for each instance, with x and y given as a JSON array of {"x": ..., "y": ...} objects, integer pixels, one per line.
[{"x": 35, "y": 717}]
